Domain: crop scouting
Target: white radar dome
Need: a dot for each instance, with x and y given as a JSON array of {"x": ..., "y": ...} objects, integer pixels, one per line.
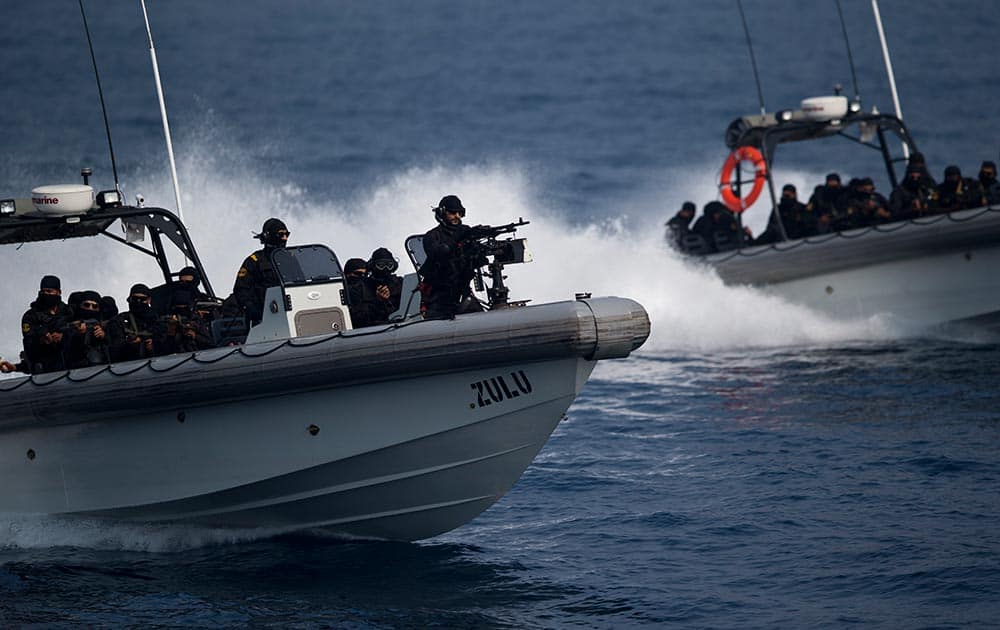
[
  {"x": 61, "y": 199},
  {"x": 825, "y": 107}
]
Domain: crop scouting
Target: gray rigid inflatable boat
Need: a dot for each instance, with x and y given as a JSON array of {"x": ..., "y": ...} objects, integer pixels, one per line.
[{"x": 401, "y": 432}]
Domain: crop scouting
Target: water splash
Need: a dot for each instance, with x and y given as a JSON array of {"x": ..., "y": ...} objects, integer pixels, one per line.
[
  {"x": 25, "y": 532},
  {"x": 689, "y": 306},
  {"x": 625, "y": 255}
]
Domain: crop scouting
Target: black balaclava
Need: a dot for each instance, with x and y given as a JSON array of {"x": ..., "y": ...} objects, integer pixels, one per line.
[
  {"x": 269, "y": 233},
  {"x": 956, "y": 173},
  {"x": 382, "y": 264},
  {"x": 88, "y": 296},
  {"x": 139, "y": 307},
  {"x": 354, "y": 264},
  {"x": 987, "y": 181},
  {"x": 189, "y": 271},
  {"x": 44, "y": 301}
]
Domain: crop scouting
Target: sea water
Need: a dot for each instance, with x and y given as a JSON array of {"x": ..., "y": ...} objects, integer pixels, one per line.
[{"x": 755, "y": 464}]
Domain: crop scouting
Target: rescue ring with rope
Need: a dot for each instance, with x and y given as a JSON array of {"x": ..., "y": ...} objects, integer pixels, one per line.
[{"x": 742, "y": 154}]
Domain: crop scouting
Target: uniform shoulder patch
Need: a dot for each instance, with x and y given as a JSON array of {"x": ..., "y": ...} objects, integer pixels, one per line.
[
  {"x": 253, "y": 257},
  {"x": 242, "y": 273},
  {"x": 25, "y": 328}
]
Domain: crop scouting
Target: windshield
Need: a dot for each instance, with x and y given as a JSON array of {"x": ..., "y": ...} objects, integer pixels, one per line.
[
  {"x": 415, "y": 250},
  {"x": 306, "y": 264}
]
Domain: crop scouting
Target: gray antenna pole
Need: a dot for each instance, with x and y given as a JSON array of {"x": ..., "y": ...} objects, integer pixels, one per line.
[
  {"x": 163, "y": 114},
  {"x": 888, "y": 69}
]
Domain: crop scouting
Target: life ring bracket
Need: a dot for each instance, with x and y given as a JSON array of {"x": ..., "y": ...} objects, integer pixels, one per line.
[{"x": 726, "y": 183}]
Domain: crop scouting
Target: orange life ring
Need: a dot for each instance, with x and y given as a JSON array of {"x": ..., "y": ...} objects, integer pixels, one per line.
[{"x": 742, "y": 154}]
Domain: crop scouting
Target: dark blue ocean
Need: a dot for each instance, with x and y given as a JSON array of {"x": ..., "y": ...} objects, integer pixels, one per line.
[{"x": 754, "y": 465}]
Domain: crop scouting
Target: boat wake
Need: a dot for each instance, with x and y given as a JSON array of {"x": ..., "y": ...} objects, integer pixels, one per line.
[
  {"x": 31, "y": 532},
  {"x": 21, "y": 532}
]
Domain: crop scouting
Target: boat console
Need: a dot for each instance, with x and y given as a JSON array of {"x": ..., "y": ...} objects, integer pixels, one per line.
[{"x": 311, "y": 299}]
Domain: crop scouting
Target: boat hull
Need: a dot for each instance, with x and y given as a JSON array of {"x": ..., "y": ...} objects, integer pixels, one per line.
[
  {"x": 919, "y": 293},
  {"x": 939, "y": 271},
  {"x": 406, "y": 465},
  {"x": 412, "y": 449}
]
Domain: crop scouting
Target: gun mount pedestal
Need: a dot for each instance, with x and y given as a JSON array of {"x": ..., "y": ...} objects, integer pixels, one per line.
[{"x": 503, "y": 252}]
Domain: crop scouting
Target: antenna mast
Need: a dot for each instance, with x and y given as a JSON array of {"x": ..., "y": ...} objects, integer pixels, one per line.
[
  {"x": 888, "y": 69},
  {"x": 100, "y": 92},
  {"x": 163, "y": 113},
  {"x": 850, "y": 56},
  {"x": 753, "y": 60}
]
